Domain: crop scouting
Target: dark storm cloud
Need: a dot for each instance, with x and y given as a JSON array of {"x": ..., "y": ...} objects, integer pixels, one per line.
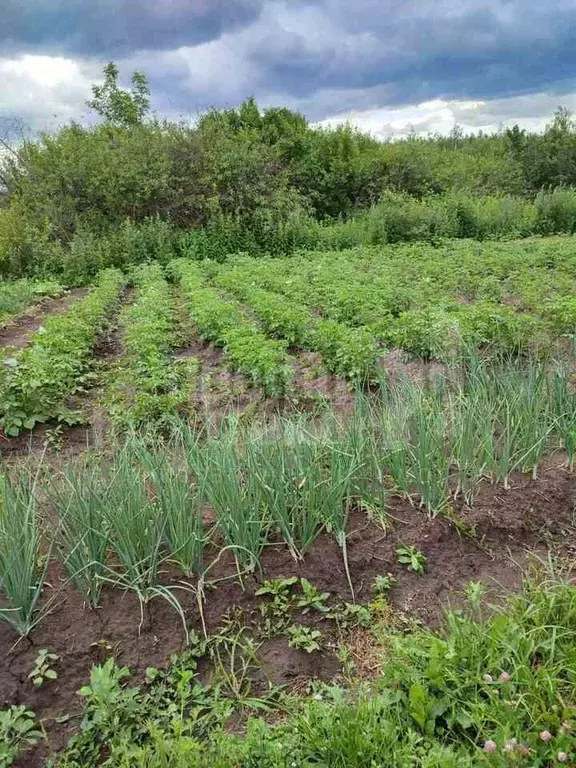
[
  {"x": 117, "y": 27},
  {"x": 421, "y": 49},
  {"x": 322, "y": 56}
]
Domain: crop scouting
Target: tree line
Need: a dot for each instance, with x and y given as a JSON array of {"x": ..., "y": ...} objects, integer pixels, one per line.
[{"x": 244, "y": 174}]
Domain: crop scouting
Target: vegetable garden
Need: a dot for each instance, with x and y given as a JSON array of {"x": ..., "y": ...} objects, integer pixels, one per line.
[{"x": 278, "y": 539}]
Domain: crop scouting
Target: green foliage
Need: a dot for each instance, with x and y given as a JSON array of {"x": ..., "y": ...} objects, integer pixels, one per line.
[
  {"x": 83, "y": 180},
  {"x": 26, "y": 244},
  {"x": 173, "y": 712},
  {"x": 291, "y": 479},
  {"x": 277, "y": 588},
  {"x": 498, "y": 326},
  {"x": 42, "y": 669},
  {"x": 475, "y": 692},
  {"x": 235, "y": 497},
  {"x": 120, "y": 520},
  {"x": 431, "y": 301},
  {"x": 264, "y": 361},
  {"x": 21, "y": 573},
  {"x": 53, "y": 367},
  {"x": 304, "y": 638},
  {"x": 464, "y": 681},
  {"x": 291, "y": 474},
  {"x": 287, "y": 599},
  {"x": 266, "y": 182},
  {"x": 17, "y": 296},
  {"x": 125, "y": 245},
  {"x": 349, "y": 352},
  {"x": 424, "y": 332},
  {"x": 279, "y": 317},
  {"x": 181, "y": 507},
  {"x": 555, "y": 211},
  {"x": 149, "y": 386},
  {"x": 383, "y": 584},
  {"x": 135, "y": 529},
  {"x": 116, "y": 106},
  {"x": 412, "y": 558},
  {"x": 18, "y": 730},
  {"x": 398, "y": 217},
  {"x": 82, "y": 534}
]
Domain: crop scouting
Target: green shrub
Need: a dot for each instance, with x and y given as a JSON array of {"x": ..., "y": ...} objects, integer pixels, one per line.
[{"x": 555, "y": 211}]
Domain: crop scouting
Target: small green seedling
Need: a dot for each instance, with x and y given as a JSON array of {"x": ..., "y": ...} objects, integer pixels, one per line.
[
  {"x": 276, "y": 612},
  {"x": 151, "y": 674},
  {"x": 304, "y": 638},
  {"x": 277, "y": 587},
  {"x": 104, "y": 687},
  {"x": 312, "y": 598},
  {"x": 42, "y": 669},
  {"x": 351, "y": 615},
  {"x": 412, "y": 558},
  {"x": 382, "y": 585}
]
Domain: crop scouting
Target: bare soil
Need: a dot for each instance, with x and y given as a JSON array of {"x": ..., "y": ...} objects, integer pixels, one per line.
[
  {"x": 533, "y": 517},
  {"x": 220, "y": 391},
  {"x": 312, "y": 380},
  {"x": 18, "y": 331}
]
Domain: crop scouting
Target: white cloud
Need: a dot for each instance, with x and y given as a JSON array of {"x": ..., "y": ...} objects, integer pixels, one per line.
[
  {"x": 44, "y": 91},
  {"x": 439, "y": 116}
]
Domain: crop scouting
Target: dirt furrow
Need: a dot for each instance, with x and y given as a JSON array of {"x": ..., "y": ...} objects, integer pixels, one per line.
[{"x": 16, "y": 334}]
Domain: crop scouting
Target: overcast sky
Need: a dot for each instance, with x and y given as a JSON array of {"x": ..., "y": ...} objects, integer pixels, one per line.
[{"x": 386, "y": 65}]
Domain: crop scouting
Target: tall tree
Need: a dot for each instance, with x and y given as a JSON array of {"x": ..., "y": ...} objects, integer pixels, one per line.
[{"x": 118, "y": 106}]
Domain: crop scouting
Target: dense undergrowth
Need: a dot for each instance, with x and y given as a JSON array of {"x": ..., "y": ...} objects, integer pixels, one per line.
[{"x": 396, "y": 219}]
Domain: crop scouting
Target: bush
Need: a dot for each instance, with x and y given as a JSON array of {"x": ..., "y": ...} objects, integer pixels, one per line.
[
  {"x": 264, "y": 182},
  {"x": 27, "y": 247},
  {"x": 555, "y": 211}
]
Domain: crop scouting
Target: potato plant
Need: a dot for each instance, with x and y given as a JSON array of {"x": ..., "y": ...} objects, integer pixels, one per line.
[
  {"x": 349, "y": 352},
  {"x": 149, "y": 386},
  {"x": 37, "y": 381},
  {"x": 430, "y": 301},
  {"x": 223, "y": 322}
]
